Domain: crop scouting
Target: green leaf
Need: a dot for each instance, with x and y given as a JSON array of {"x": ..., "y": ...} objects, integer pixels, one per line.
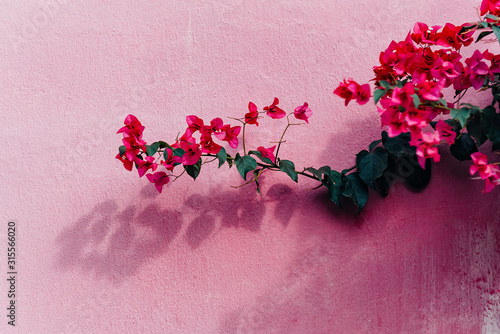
[
  {"x": 399, "y": 145},
  {"x": 476, "y": 130},
  {"x": 360, "y": 157},
  {"x": 461, "y": 115},
  {"x": 416, "y": 176},
  {"x": 465, "y": 28},
  {"x": 179, "y": 152},
  {"x": 491, "y": 124},
  {"x": 372, "y": 166},
  {"x": 194, "y": 170},
  {"x": 378, "y": 94},
  {"x": 463, "y": 147},
  {"x": 491, "y": 16},
  {"x": 384, "y": 84},
  {"x": 122, "y": 149},
  {"x": 263, "y": 159},
  {"x": 288, "y": 167},
  {"x": 152, "y": 149},
  {"x": 383, "y": 183},
  {"x": 482, "y": 35},
  {"x": 496, "y": 31},
  {"x": 245, "y": 164},
  {"x": 416, "y": 100},
  {"x": 483, "y": 24},
  {"x": 333, "y": 181},
  {"x": 374, "y": 144},
  {"x": 356, "y": 189},
  {"x": 495, "y": 147},
  {"x": 222, "y": 156},
  {"x": 164, "y": 144},
  {"x": 255, "y": 173},
  {"x": 319, "y": 172}
]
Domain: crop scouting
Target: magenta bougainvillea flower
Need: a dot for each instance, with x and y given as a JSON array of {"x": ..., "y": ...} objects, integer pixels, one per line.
[
  {"x": 229, "y": 134},
  {"x": 267, "y": 152},
  {"x": 194, "y": 124},
  {"x": 132, "y": 127},
  {"x": 422, "y": 34},
  {"x": 133, "y": 146},
  {"x": 477, "y": 68},
  {"x": 491, "y": 6},
  {"x": 426, "y": 147},
  {"x": 192, "y": 153},
  {"x": 274, "y": 111},
  {"x": 446, "y": 132},
  {"x": 145, "y": 165},
  {"x": 126, "y": 163},
  {"x": 252, "y": 115},
  {"x": 159, "y": 179},
  {"x": 303, "y": 112},
  {"x": 351, "y": 90},
  {"x": 172, "y": 160},
  {"x": 490, "y": 173}
]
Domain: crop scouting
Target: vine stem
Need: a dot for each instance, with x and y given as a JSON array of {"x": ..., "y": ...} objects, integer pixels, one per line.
[
  {"x": 243, "y": 139},
  {"x": 283, "y": 134}
]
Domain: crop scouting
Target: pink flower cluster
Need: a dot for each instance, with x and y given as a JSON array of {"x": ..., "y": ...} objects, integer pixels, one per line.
[
  {"x": 351, "y": 90},
  {"x": 412, "y": 75},
  {"x": 490, "y": 6},
  {"x": 302, "y": 112},
  {"x": 490, "y": 173},
  {"x": 187, "y": 150}
]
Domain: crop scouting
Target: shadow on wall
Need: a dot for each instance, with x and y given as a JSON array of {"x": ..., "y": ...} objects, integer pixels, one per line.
[{"x": 114, "y": 243}]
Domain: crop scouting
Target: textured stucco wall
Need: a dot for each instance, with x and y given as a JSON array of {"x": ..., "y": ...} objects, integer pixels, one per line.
[{"x": 101, "y": 252}]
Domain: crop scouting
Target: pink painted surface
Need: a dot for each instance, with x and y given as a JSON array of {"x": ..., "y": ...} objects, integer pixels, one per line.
[{"x": 101, "y": 252}]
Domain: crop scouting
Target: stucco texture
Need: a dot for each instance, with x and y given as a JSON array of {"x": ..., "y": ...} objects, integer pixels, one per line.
[{"x": 100, "y": 251}]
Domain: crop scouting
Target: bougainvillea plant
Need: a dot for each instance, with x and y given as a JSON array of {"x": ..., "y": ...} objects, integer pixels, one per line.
[{"x": 408, "y": 93}]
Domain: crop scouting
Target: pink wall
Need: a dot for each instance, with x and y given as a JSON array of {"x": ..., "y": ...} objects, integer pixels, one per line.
[{"x": 99, "y": 251}]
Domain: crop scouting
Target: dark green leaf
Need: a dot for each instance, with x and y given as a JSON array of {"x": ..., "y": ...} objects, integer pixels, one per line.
[
  {"x": 399, "y": 145},
  {"x": 491, "y": 123},
  {"x": 255, "y": 174},
  {"x": 491, "y": 16},
  {"x": 194, "y": 170},
  {"x": 360, "y": 157},
  {"x": 461, "y": 115},
  {"x": 152, "y": 149},
  {"x": 496, "y": 31},
  {"x": 179, "y": 152},
  {"x": 463, "y": 147},
  {"x": 245, "y": 164},
  {"x": 416, "y": 176},
  {"x": 333, "y": 181},
  {"x": 384, "y": 84},
  {"x": 476, "y": 130},
  {"x": 377, "y": 94},
  {"x": 372, "y": 166},
  {"x": 164, "y": 144},
  {"x": 356, "y": 189},
  {"x": 263, "y": 159},
  {"x": 483, "y": 24},
  {"x": 482, "y": 35},
  {"x": 222, "y": 156},
  {"x": 495, "y": 147},
  {"x": 374, "y": 144},
  {"x": 288, "y": 167},
  {"x": 122, "y": 149},
  {"x": 383, "y": 183},
  {"x": 466, "y": 28}
]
